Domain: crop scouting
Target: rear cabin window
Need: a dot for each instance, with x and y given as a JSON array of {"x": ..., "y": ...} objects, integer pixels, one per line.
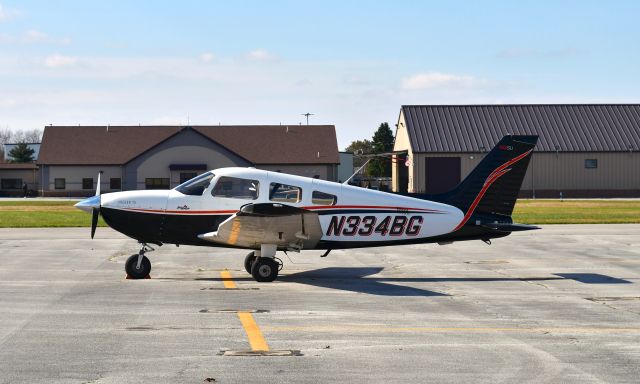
[
  {"x": 195, "y": 186},
  {"x": 236, "y": 188},
  {"x": 284, "y": 193},
  {"x": 321, "y": 198}
]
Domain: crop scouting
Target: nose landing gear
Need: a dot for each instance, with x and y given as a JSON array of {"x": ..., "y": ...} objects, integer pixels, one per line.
[{"x": 138, "y": 265}]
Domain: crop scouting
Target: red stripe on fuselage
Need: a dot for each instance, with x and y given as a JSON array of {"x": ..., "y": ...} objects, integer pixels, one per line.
[
  {"x": 179, "y": 212},
  {"x": 495, "y": 175},
  {"x": 317, "y": 207},
  {"x": 311, "y": 208}
]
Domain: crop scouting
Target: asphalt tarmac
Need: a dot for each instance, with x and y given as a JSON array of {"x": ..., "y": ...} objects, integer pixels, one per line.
[{"x": 557, "y": 305}]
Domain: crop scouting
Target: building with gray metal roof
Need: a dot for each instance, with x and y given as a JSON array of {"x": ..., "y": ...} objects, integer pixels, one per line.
[{"x": 584, "y": 150}]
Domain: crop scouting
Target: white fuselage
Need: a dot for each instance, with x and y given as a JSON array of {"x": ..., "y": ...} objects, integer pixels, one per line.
[{"x": 346, "y": 213}]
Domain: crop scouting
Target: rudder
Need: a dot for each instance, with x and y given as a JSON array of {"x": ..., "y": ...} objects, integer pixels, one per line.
[{"x": 493, "y": 186}]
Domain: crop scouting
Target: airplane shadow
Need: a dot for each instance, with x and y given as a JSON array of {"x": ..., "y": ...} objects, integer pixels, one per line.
[{"x": 356, "y": 280}]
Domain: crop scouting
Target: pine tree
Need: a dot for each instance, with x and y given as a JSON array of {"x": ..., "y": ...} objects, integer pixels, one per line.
[
  {"x": 382, "y": 142},
  {"x": 21, "y": 154}
]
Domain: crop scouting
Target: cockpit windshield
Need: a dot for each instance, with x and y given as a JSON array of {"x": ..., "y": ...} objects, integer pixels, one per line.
[{"x": 195, "y": 186}]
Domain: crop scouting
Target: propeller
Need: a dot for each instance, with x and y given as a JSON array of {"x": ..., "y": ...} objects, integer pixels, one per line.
[
  {"x": 92, "y": 205},
  {"x": 95, "y": 212}
]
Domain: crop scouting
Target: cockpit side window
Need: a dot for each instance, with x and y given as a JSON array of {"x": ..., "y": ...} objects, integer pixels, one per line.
[
  {"x": 284, "y": 193},
  {"x": 236, "y": 188},
  {"x": 322, "y": 198},
  {"x": 195, "y": 186}
]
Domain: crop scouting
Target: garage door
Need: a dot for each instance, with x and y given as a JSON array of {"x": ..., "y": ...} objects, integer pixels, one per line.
[{"x": 442, "y": 174}]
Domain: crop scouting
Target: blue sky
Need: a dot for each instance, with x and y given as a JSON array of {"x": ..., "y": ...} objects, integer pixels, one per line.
[{"x": 351, "y": 63}]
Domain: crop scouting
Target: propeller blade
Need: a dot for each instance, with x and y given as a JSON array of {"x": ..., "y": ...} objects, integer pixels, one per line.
[
  {"x": 94, "y": 220},
  {"x": 98, "y": 185}
]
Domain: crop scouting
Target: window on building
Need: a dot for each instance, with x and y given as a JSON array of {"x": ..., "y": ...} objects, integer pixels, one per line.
[
  {"x": 60, "y": 183},
  {"x": 115, "y": 183},
  {"x": 195, "y": 186},
  {"x": 591, "y": 163},
  {"x": 321, "y": 198},
  {"x": 87, "y": 183},
  {"x": 186, "y": 176},
  {"x": 156, "y": 183},
  {"x": 284, "y": 193},
  {"x": 11, "y": 184},
  {"x": 236, "y": 188}
]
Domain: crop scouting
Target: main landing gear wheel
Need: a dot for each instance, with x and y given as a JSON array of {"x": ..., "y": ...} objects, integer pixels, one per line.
[
  {"x": 136, "y": 271},
  {"x": 264, "y": 269},
  {"x": 249, "y": 260}
]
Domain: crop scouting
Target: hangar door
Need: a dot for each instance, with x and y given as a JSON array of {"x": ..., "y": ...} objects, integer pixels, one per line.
[{"x": 442, "y": 174}]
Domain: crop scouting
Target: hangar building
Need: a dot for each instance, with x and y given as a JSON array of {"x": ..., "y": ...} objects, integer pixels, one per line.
[
  {"x": 161, "y": 157},
  {"x": 583, "y": 150},
  {"x": 14, "y": 175}
]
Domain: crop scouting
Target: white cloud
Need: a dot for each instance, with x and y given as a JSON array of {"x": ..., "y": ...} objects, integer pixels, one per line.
[
  {"x": 431, "y": 80},
  {"x": 207, "y": 57},
  {"x": 6, "y": 13},
  {"x": 59, "y": 61},
  {"x": 260, "y": 55},
  {"x": 8, "y": 103},
  {"x": 33, "y": 36}
]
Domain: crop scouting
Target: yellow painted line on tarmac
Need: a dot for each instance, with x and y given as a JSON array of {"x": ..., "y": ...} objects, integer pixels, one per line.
[
  {"x": 256, "y": 340},
  {"x": 227, "y": 280},
  {"x": 366, "y": 328}
]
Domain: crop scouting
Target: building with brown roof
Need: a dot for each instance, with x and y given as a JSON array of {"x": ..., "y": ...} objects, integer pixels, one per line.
[
  {"x": 13, "y": 177},
  {"x": 154, "y": 157}
]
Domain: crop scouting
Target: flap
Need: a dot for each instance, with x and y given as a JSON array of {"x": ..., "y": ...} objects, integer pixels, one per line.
[{"x": 290, "y": 228}]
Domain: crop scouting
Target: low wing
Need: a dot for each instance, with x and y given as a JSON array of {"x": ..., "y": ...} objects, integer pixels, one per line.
[{"x": 288, "y": 227}]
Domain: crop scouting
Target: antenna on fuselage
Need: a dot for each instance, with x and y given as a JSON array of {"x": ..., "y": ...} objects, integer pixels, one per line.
[{"x": 358, "y": 171}]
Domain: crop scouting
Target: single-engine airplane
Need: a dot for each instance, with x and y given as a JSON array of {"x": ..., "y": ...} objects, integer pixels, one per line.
[{"x": 267, "y": 212}]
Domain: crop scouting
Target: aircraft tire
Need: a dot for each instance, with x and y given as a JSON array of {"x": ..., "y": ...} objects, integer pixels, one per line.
[
  {"x": 264, "y": 269},
  {"x": 132, "y": 262},
  {"x": 248, "y": 261}
]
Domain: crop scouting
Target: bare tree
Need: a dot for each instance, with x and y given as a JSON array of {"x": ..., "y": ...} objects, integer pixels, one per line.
[
  {"x": 5, "y": 137},
  {"x": 31, "y": 136}
]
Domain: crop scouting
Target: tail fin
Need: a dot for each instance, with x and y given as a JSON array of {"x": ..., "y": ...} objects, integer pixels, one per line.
[{"x": 493, "y": 186}]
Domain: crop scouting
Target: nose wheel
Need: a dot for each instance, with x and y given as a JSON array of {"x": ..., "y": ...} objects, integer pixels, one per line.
[{"x": 138, "y": 265}]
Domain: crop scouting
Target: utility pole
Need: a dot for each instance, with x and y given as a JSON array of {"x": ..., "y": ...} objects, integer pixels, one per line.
[{"x": 307, "y": 116}]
